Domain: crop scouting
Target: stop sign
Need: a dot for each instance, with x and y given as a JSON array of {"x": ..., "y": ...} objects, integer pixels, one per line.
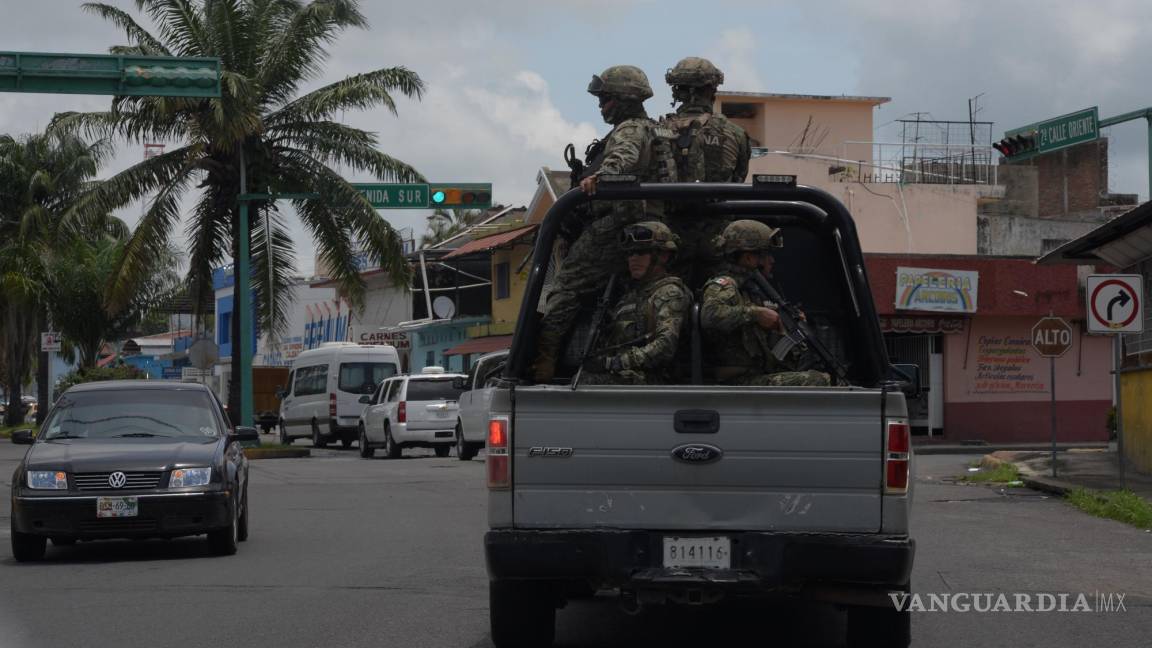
[{"x": 1051, "y": 337}]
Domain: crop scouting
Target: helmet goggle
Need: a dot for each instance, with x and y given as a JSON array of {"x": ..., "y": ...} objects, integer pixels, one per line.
[
  {"x": 637, "y": 236},
  {"x": 596, "y": 86}
]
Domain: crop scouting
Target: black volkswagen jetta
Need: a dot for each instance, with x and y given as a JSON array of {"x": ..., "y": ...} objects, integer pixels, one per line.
[{"x": 131, "y": 459}]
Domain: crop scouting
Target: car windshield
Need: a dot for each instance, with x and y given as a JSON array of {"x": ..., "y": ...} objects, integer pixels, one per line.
[
  {"x": 433, "y": 390},
  {"x": 140, "y": 413},
  {"x": 363, "y": 377}
]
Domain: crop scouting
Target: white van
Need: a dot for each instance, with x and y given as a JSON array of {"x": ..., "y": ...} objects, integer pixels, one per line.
[{"x": 322, "y": 398}]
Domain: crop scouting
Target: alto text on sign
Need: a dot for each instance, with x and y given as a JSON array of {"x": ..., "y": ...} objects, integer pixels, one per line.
[
  {"x": 1115, "y": 303},
  {"x": 1052, "y": 337}
]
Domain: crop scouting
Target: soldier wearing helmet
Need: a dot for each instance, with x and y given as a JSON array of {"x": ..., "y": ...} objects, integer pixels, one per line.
[
  {"x": 643, "y": 327},
  {"x": 740, "y": 333},
  {"x": 707, "y": 148},
  {"x": 635, "y": 146}
]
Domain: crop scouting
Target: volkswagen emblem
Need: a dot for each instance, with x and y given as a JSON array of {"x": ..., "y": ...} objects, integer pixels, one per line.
[
  {"x": 117, "y": 479},
  {"x": 697, "y": 453}
]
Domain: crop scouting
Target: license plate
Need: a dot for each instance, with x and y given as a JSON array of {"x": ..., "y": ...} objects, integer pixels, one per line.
[
  {"x": 117, "y": 507},
  {"x": 709, "y": 552}
]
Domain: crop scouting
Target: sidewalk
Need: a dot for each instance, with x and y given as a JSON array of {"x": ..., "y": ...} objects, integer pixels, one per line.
[
  {"x": 1093, "y": 468},
  {"x": 923, "y": 446}
]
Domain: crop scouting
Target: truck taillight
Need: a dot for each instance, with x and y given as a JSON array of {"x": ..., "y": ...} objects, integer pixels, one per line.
[
  {"x": 332, "y": 405},
  {"x": 402, "y": 412},
  {"x": 896, "y": 458},
  {"x": 499, "y": 468}
]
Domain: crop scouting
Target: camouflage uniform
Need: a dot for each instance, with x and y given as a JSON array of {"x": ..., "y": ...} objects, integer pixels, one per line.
[
  {"x": 737, "y": 347},
  {"x": 709, "y": 148},
  {"x": 633, "y": 146},
  {"x": 651, "y": 314}
]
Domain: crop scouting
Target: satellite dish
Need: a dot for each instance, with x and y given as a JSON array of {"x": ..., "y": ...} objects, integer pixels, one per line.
[
  {"x": 203, "y": 353},
  {"x": 443, "y": 307}
]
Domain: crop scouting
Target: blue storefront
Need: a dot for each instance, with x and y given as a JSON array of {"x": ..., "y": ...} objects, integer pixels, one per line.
[{"x": 431, "y": 341}]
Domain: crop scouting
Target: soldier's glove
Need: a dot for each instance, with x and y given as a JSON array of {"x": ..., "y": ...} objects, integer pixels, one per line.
[{"x": 605, "y": 364}]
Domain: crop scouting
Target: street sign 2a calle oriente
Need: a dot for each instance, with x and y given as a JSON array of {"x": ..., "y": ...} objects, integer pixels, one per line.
[{"x": 1060, "y": 132}]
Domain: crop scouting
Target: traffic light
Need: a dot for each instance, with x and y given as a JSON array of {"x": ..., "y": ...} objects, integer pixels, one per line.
[
  {"x": 466, "y": 196},
  {"x": 1017, "y": 144}
]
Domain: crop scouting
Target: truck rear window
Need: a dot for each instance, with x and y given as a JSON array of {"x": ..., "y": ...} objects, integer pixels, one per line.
[
  {"x": 432, "y": 390},
  {"x": 364, "y": 377}
]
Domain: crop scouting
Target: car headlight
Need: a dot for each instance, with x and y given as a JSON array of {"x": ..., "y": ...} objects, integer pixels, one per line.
[
  {"x": 48, "y": 479},
  {"x": 184, "y": 477}
]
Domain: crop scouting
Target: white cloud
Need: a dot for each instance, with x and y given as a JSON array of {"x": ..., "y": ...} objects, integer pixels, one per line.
[{"x": 735, "y": 54}]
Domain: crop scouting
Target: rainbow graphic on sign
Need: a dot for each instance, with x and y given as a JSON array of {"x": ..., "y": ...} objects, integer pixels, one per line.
[{"x": 930, "y": 289}]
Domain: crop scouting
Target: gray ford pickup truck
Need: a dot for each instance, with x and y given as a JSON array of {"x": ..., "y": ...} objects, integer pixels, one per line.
[{"x": 695, "y": 492}]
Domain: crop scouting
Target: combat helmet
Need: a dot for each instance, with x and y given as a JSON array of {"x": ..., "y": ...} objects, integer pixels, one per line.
[
  {"x": 749, "y": 236},
  {"x": 626, "y": 82},
  {"x": 649, "y": 235},
  {"x": 694, "y": 71}
]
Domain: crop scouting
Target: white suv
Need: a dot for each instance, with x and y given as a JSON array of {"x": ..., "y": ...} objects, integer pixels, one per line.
[{"x": 411, "y": 412}]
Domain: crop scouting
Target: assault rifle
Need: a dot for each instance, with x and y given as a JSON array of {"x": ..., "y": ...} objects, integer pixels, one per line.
[
  {"x": 594, "y": 332},
  {"x": 578, "y": 170},
  {"x": 797, "y": 332}
]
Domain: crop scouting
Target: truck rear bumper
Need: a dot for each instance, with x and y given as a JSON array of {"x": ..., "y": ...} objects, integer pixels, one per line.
[{"x": 828, "y": 566}]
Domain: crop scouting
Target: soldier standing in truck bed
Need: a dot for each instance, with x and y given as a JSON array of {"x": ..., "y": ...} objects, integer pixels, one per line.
[
  {"x": 708, "y": 148},
  {"x": 635, "y": 146}
]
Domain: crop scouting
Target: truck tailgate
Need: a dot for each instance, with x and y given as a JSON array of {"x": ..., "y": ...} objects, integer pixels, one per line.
[{"x": 792, "y": 458}]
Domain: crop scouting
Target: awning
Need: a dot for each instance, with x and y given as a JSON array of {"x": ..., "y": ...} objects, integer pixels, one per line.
[
  {"x": 490, "y": 242},
  {"x": 481, "y": 345}
]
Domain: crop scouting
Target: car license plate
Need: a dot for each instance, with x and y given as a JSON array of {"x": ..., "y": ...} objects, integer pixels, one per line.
[
  {"x": 709, "y": 552},
  {"x": 117, "y": 507}
]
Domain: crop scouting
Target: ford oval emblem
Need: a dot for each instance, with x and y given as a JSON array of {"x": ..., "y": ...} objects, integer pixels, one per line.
[{"x": 697, "y": 453}]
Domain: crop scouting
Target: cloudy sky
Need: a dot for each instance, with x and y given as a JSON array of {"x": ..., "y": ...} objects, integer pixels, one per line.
[{"x": 506, "y": 78}]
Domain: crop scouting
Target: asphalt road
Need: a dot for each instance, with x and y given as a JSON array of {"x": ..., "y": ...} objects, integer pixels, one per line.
[{"x": 352, "y": 552}]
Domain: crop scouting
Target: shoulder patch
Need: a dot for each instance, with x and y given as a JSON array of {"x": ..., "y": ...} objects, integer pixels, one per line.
[{"x": 722, "y": 281}]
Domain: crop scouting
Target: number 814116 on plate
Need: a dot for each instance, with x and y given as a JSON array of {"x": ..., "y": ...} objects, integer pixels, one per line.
[{"x": 707, "y": 552}]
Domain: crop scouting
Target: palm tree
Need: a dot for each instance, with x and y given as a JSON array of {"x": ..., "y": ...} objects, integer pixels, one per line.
[
  {"x": 76, "y": 278},
  {"x": 285, "y": 144},
  {"x": 40, "y": 177},
  {"x": 443, "y": 224}
]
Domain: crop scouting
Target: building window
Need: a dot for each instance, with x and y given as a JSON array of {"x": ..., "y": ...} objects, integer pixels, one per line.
[
  {"x": 503, "y": 282},
  {"x": 430, "y": 359},
  {"x": 225, "y": 328}
]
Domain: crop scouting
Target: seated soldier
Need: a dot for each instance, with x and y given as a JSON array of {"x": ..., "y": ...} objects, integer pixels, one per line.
[
  {"x": 642, "y": 331},
  {"x": 739, "y": 331}
]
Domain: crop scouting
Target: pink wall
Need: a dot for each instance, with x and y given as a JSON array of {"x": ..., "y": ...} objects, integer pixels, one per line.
[
  {"x": 1001, "y": 394},
  {"x": 911, "y": 218},
  {"x": 781, "y": 123}
]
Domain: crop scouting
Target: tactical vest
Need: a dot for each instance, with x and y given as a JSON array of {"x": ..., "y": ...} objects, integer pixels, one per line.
[
  {"x": 698, "y": 146},
  {"x": 634, "y": 317},
  {"x": 657, "y": 163}
]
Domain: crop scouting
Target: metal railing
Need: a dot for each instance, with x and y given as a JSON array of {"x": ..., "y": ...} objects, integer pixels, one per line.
[{"x": 886, "y": 162}]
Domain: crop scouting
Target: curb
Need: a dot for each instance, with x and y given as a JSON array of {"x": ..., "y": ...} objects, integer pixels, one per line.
[
  {"x": 277, "y": 453},
  {"x": 1049, "y": 485},
  {"x": 931, "y": 449}
]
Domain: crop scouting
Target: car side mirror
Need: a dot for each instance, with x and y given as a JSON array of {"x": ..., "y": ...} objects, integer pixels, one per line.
[
  {"x": 280, "y": 393},
  {"x": 907, "y": 377},
  {"x": 459, "y": 383},
  {"x": 246, "y": 436},
  {"x": 366, "y": 399},
  {"x": 23, "y": 437}
]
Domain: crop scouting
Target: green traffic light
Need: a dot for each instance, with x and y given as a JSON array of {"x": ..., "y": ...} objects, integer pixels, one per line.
[{"x": 437, "y": 196}]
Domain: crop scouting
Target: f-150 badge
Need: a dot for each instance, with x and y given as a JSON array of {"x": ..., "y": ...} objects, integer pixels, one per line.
[
  {"x": 697, "y": 453},
  {"x": 542, "y": 451}
]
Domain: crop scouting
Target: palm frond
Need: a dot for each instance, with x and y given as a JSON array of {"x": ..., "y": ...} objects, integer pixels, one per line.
[
  {"x": 181, "y": 26},
  {"x": 272, "y": 273},
  {"x": 296, "y": 52},
  {"x": 357, "y": 92},
  {"x": 147, "y": 43}
]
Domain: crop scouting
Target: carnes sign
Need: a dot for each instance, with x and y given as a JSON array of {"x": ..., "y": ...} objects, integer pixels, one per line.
[{"x": 397, "y": 339}]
